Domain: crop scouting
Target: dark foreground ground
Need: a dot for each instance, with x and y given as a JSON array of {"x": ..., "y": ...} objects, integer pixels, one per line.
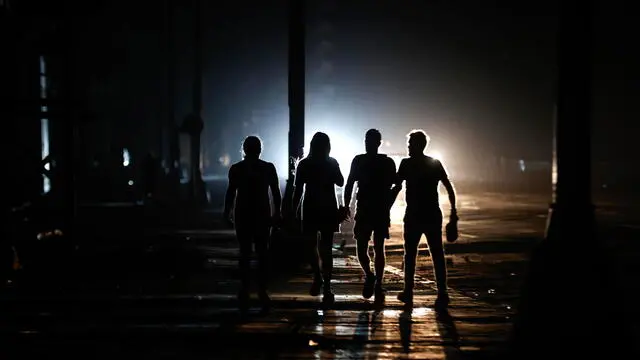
[{"x": 172, "y": 295}]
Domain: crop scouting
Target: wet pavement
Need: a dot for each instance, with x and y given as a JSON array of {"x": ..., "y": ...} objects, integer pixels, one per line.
[
  {"x": 298, "y": 326},
  {"x": 176, "y": 298}
]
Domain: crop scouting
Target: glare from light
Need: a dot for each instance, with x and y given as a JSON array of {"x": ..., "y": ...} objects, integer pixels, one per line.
[
  {"x": 44, "y": 139},
  {"x": 436, "y": 155},
  {"x": 46, "y": 184},
  {"x": 343, "y": 149},
  {"x": 225, "y": 160},
  {"x": 130, "y": 182},
  {"x": 126, "y": 158}
]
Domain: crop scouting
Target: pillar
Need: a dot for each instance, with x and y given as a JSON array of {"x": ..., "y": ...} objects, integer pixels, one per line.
[
  {"x": 568, "y": 298},
  {"x": 296, "y": 95}
]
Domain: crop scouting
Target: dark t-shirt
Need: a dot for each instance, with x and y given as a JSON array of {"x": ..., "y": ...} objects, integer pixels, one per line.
[
  {"x": 375, "y": 174},
  {"x": 422, "y": 175},
  {"x": 320, "y": 176},
  {"x": 252, "y": 179}
]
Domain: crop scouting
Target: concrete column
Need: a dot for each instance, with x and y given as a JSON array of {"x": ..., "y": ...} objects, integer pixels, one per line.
[
  {"x": 568, "y": 297},
  {"x": 171, "y": 156},
  {"x": 296, "y": 93},
  {"x": 193, "y": 124}
]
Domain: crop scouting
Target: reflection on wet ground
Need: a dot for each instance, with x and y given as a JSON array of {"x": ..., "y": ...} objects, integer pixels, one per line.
[
  {"x": 192, "y": 313},
  {"x": 299, "y": 326}
]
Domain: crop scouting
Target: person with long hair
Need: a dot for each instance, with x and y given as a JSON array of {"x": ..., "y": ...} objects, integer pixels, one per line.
[
  {"x": 250, "y": 181},
  {"x": 316, "y": 177}
]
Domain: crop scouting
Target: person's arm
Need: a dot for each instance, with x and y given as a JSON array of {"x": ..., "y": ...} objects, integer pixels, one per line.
[
  {"x": 348, "y": 189},
  {"x": 276, "y": 195},
  {"x": 298, "y": 187},
  {"x": 444, "y": 177},
  {"x": 396, "y": 185},
  {"x": 230, "y": 198},
  {"x": 339, "y": 179},
  {"x": 399, "y": 177}
]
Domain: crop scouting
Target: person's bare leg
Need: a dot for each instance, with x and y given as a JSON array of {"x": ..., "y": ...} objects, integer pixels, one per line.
[
  {"x": 362, "y": 245},
  {"x": 412, "y": 237},
  {"x": 436, "y": 249},
  {"x": 262, "y": 250},
  {"x": 326, "y": 256},
  {"x": 244, "y": 264},
  {"x": 379, "y": 262},
  {"x": 314, "y": 261}
]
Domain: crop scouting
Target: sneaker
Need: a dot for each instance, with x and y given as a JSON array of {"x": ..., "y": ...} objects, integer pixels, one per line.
[
  {"x": 442, "y": 301},
  {"x": 328, "y": 297},
  {"x": 368, "y": 290},
  {"x": 406, "y": 297},
  {"x": 379, "y": 291},
  {"x": 380, "y": 294}
]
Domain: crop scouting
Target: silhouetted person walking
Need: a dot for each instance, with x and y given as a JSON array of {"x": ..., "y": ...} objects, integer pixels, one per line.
[
  {"x": 423, "y": 214},
  {"x": 316, "y": 176},
  {"x": 248, "y": 196},
  {"x": 375, "y": 174}
]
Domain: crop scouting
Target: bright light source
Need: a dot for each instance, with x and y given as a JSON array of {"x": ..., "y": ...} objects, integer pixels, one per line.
[
  {"x": 225, "y": 160},
  {"x": 126, "y": 158},
  {"x": 343, "y": 149},
  {"x": 436, "y": 155},
  {"x": 130, "y": 182}
]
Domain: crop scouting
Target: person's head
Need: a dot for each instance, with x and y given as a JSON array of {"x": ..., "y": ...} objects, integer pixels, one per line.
[
  {"x": 417, "y": 142},
  {"x": 372, "y": 141},
  {"x": 320, "y": 146},
  {"x": 252, "y": 147}
]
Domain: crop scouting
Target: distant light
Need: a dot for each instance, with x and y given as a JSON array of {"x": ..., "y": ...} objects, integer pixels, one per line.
[
  {"x": 47, "y": 166},
  {"x": 522, "y": 166},
  {"x": 225, "y": 160},
  {"x": 46, "y": 184},
  {"x": 130, "y": 183},
  {"x": 126, "y": 157},
  {"x": 312, "y": 343}
]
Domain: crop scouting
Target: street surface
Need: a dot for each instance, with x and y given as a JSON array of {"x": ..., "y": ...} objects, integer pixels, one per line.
[{"x": 174, "y": 297}]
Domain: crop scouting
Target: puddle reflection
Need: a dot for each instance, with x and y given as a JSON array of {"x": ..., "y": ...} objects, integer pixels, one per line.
[{"x": 445, "y": 324}]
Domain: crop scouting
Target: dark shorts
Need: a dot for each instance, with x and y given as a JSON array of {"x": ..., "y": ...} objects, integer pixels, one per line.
[
  {"x": 366, "y": 224},
  {"x": 319, "y": 219},
  {"x": 249, "y": 235},
  {"x": 312, "y": 226}
]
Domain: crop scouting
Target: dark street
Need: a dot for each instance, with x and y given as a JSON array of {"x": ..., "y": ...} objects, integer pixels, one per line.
[
  {"x": 176, "y": 297},
  {"x": 202, "y": 179}
]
